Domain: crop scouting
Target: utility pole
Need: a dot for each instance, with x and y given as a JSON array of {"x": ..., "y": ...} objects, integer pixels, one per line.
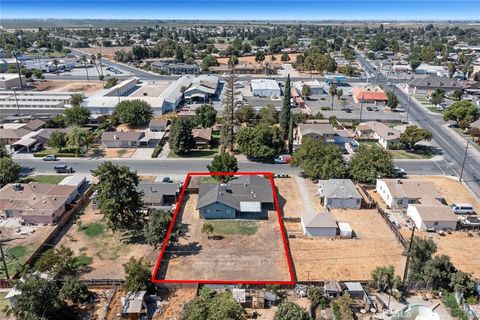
[
  {"x": 405, "y": 272},
  {"x": 15, "y": 97},
  {"x": 15, "y": 55},
  {"x": 3, "y": 259},
  {"x": 464, "y": 159},
  {"x": 361, "y": 107}
]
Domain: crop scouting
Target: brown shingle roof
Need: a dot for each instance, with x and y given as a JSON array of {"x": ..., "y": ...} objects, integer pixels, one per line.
[{"x": 202, "y": 133}]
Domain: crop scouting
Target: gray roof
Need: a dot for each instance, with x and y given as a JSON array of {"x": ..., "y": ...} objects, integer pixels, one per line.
[
  {"x": 153, "y": 192},
  {"x": 318, "y": 128},
  {"x": 123, "y": 136},
  {"x": 434, "y": 83},
  {"x": 133, "y": 302},
  {"x": 338, "y": 189},
  {"x": 319, "y": 220},
  {"x": 241, "y": 189}
]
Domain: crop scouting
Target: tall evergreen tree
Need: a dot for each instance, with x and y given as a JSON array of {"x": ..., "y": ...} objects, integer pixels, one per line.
[
  {"x": 181, "y": 138},
  {"x": 285, "y": 113},
  {"x": 290, "y": 134},
  {"x": 228, "y": 138}
]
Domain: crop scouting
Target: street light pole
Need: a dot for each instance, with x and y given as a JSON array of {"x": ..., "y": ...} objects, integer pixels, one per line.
[
  {"x": 3, "y": 259},
  {"x": 14, "y": 53},
  {"x": 361, "y": 107},
  {"x": 464, "y": 159},
  {"x": 15, "y": 97}
]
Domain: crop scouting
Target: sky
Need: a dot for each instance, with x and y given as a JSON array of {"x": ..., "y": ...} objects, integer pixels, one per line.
[{"x": 244, "y": 9}]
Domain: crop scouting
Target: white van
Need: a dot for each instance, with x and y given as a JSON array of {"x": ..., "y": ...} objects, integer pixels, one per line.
[{"x": 462, "y": 208}]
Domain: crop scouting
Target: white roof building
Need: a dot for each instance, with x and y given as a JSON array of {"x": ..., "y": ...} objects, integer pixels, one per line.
[{"x": 265, "y": 88}]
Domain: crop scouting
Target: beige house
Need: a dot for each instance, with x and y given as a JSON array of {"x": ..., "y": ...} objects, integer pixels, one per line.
[
  {"x": 202, "y": 137},
  {"x": 398, "y": 193},
  {"x": 34, "y": 202},
  {"x": 317, "y": 131},
  {"x": 432, "y": 217},
  {"x": 375, "y": 130}
]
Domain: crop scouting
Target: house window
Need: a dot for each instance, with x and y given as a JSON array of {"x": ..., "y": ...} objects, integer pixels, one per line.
[
  {"x": 217, "y": 210},
  {"x": 358, "y": 201},
  {"x": 412, "y": 201},
  {"x": 400, "y": 201},
  {"x": 435, "y": 223}
]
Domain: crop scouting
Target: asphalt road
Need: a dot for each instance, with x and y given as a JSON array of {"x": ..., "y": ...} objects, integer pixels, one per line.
[
  {"x": 180, "y": 167},
  {"x": 453, "y": 147}
]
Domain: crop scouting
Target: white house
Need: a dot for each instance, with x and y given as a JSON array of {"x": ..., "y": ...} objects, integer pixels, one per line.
[
  {"x": 339, "y": 193},
  {"x": 379, "y": 131},
  {"x": 319, "y": 224},
  {"x": 427, "y": 217},
  {"x": 265, "y": 88},
  {"x": 398, "y": 193}
]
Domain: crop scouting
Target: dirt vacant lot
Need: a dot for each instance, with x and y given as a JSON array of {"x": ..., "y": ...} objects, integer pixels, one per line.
[
  {"x": 107, "y": 251},
  {"x": 87, "y": 87},
  {"x": 241, "y": 250},
  {"x": 289, "y": 199},
  {"x": 268, "y": 58},
  {"x": 347, "y": 259},
  {"x": 107, "y": 52}
]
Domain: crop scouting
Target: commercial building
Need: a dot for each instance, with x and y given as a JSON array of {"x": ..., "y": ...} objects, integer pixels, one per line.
[
  {"x": 203, "y": 88},
  {"x": 315, "y": 86},
  {"x": 34, "y": 101},
  {"x": 369, "y": 94},
  {"x": 265, "y": 88},
  {"x": 10, "y": 80},
  {"x": 176, "y": 68},
  {"x": 339, "y": 193}
]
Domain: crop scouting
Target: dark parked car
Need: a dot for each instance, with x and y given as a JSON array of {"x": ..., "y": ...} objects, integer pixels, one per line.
[
  {"x": 37, "y": 147},
  {"x": 167, "y": 180},
  {"x": 63, "y": 169}
]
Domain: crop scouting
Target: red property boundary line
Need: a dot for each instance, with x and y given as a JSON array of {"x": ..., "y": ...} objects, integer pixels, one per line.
[{"x": 213, "y": 281}]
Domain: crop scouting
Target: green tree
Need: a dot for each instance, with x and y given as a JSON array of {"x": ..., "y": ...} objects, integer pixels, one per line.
[
  {"x": 58, "y": 139},
  {"x": 457, "y": 95},
  {"x": 223, "y": 162},
  {"x": 208, "y": 229},
  {"x": 74, "y": 290},
  {"x": 9, "y": 170},
  {"x": 319, "y": 160},
  {"x": 268, "y": 115},
  {"x": 260, "y": 142},
  {"x": 138, "y": 276},
  {"x": 285, "y": 57},
  {"x": 462, "y": 282},
  {"x": 461, "y": 110},
  {"x": 414, "y": 64},
  {"x": 291, "y": 311},
  {"x": 332, "y": 91},
  {"x": 39, "y": 300},
  {"x": 232, "y": 61},
  {"x": 421, "y": 252},
  {"x": 227, "y": 134},
  {"x": 383, "y": 277},
  {"x": 315, "y": 295},
  {"x": 209, "y": 61},
  {"x": 133, "y": 112},
  {"x": 259, "y": 56},
  {"x": 342, "y": 307},
  {"x": 112, "y": 82},
  {"x": 438, "y": 270},
  {"x": 76, "y": 99},
  {"x": 156, "y": 228},
  {"x": 77, "y": 116},
  {"x": 3, "y": 149},
  {"x": 371, "y": 163},
  {"x": 414, "y": 134},
  {"x": 306, "y": 91},
  {"x": 245, "y": 114},
  {"x": 437, "y": 97},
  {"x": 78, "y": 139},
  {"x": 37, "y": 73},
  {"x": 205, "y": 116},
  {"x": 118, "y": 198},
  {"x": 284, "y": 118},
  {"x": 213, "y": 306},
  {"x": 392, "y": 100},
  {"x": 181, "y": 138},
  {"x": 58, "y": 263}
]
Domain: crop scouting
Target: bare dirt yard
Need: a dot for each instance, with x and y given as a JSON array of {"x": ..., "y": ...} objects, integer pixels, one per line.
[
  {"x": 240, "y": 250},
  {"x": 177, "y": 299},
  {"x": 347, "y": 259},
  {"x": 87, "y": 87},
  {"x": 107, "y": 251},
  {"x": 289, "y": 200},
  {"x": 268, "y": 58},
  {"x": 107, "y": 52}
]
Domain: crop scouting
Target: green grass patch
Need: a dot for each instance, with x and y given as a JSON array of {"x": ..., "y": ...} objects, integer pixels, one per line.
[
  {"x": 51, "y": 179},
  {"x": 434, "y": 110},
  {"x": 3, "y": 303},
  {"x": 451, "y": 303},
  {"x": 368, "y": 143},
  {"x": 83, "y": 261},
  {"x": 94, "y": 229},
  {"x": 16, "y": 256},
  {"x": 200, "y": 153},
  {"x": 234, "y": 227},
  {"x": 17, "y": 252},
  {"x": 208, "y": 179},
  {"x": 402, "y": 154}
]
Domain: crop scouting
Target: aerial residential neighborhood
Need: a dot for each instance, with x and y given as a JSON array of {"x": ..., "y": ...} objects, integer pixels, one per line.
[{"x": 200, "y": 161}]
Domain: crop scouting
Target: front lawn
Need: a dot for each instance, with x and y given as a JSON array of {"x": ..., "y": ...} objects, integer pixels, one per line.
[
  {"x": 65, "y": 152},
  {"x": 51, "y": 179},
  {"x": 16, "y": 256},
  {"x": 234, "y": 227},
  {"x": 197, "y": 153},
  {"x": 417, "y": 154}
]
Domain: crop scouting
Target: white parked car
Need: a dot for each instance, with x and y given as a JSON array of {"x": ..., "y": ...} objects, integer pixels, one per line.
[{"x": 462, "y": 208}]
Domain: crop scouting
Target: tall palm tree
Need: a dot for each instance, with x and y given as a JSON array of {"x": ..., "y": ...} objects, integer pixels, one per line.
[
  {"x": 77, "y": 139},
  {"x": 56, "y": 63},
  {"x": 85, "y": 60},
  {"x": 93, "y": 58},
  {"x": 99, "y": 57},
  {"x": 333, "y": 91}
]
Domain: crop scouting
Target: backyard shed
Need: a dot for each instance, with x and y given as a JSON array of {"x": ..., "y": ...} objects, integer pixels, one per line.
[
  {"x": 345, "y": 230},
  {"x": 319, "y": 224}
]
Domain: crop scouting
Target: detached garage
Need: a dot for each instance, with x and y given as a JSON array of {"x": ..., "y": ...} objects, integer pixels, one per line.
[
  {"x": 319, "y": 225},
  {"x": 432, "y": 217}
]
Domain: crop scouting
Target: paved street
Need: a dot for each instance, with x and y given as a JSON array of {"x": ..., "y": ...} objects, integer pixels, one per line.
[
  {"x": 452, "y": 145},
  {"x": 176, "y": 166}
]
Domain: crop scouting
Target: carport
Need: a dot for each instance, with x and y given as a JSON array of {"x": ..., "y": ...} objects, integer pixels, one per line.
[{"x": 25, "y": 143}]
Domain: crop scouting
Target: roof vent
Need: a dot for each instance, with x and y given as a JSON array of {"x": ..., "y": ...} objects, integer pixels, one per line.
[
  {"x": 115, "y": 137},
  {"x": 399, "y": 181},
  {"x": 17, "y": 187}
]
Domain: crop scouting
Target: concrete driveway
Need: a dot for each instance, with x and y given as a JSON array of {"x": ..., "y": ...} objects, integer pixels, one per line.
[{"x": 142, "y": 153}]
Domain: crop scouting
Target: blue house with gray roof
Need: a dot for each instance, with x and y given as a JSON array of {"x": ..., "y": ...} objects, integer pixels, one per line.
[{"x": 246, "y": 197}]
